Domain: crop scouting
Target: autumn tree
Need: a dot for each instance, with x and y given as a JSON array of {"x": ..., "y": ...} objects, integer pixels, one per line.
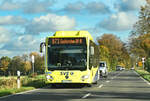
[
  {"x": 140, "y": 35},
  {"x": 125, "y": 57},
  {"x": 140, "y": 47},
  {"x": 115, "y": 49},
  {"x": 104, "y": 54},
  {"x": 39, "y": 62},
  {"x": 4, "y": 63},
  {"x": 27, "y": 67}
]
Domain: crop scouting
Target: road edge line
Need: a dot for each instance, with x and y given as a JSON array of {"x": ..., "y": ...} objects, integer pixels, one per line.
[
  {"x": 142, "y": 78},
  {"x": 2, "y": 97}
]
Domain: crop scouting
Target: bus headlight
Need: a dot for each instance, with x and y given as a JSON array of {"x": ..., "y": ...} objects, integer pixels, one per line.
[
  {"x": 85, "y": 77},
  {"x": 49, "y": 77}
]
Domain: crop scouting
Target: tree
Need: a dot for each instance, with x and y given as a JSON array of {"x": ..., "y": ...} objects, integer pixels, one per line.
[
  {"x": 116, "y": 50},
  {"x": 147, "y": 64},
  {"x": 27, "y": 66},
  {"x": 16, "y": 64},
  {"x": 140, "y": 46},
  {"x": 104, "y": 54},
  {"x": 4, "y": 63},
  {"x": 140, "y": 35},
  {"x": 142, "y": 26},
  {"x": 25, "y": 57},
  {"x": 39, "y": 62}
]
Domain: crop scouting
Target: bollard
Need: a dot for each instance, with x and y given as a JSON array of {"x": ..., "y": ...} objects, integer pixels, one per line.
[{"x": 18, "y": 79}]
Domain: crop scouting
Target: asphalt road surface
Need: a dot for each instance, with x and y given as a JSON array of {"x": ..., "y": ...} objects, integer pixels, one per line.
[{"x": 119, "y": 86}]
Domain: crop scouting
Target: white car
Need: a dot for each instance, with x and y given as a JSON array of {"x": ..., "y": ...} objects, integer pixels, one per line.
[
  {"x": 103, "y": 69},
  {"x": 132, "y": 68}
]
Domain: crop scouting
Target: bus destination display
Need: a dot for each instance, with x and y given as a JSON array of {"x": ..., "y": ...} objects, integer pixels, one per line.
[{"x": 64, "y": 41}]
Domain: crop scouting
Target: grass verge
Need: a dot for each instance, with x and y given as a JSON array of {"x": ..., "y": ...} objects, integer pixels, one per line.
[
  {"x": 9, "y": 85},
  {"x": 4, "y": 92},
  {"x": 144, "y": 74}
]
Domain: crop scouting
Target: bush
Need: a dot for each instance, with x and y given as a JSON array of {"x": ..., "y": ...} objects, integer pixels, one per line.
[
  {"x": 147, "y": 64},
  {"x": 11, "y": 82},
  {"x": 8, "y": 83},
  {"x": 36, "y": 81},
  {"x": 33, "y": 75}
]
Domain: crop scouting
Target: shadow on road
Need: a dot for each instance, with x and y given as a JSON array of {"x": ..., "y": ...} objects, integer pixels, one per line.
[
  {"x": 119, "y": 95},
  {"x": 65, "y": 86}
]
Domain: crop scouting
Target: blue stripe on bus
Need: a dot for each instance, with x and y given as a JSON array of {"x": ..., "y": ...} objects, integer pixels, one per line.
[{"x": 96, "y": 77}]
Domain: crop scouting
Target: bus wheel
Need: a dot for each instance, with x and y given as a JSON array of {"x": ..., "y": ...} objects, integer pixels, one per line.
[
  {"x": 95, "y": 82},
  {"x": 89, "y": 85}
]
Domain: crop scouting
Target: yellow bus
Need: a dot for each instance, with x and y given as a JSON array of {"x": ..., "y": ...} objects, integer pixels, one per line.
[{"x": 71, "y": 57}]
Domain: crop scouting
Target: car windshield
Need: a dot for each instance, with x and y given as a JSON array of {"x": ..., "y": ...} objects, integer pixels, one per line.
[
  {"x": 102, "y": 64},
  {"x": 64, "y": 57}
]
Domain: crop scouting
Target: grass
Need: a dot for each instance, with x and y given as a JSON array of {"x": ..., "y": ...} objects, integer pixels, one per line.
[
  {"x": 4, "y": 92},
  {"x": 144, "y": 74},
  {"x": 8, "y": 85}
]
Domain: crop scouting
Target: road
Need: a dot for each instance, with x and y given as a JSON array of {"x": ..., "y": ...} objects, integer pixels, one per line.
[{"x": 119, "y": 86}]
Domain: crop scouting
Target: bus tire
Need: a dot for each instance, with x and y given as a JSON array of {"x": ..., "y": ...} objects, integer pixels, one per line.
[
  {"x": 95, "y": 82},
  {"x": 89, "y": 85}
]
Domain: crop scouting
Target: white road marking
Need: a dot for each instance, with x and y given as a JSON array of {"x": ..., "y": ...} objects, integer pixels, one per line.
[
  {"x": 18, "y": 93},
  {"x": 107, "y": 81},
  {"x": 100, "y": 86},
  {"x": 142, "y": 78},
  {"x": 27, "y": 91},
  {"x": 85, "y": 96}
]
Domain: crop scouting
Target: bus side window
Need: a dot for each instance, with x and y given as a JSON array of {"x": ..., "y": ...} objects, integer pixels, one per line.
[
  {"x": 91, "y": 54},
  {"x": 92, "y": 50}
]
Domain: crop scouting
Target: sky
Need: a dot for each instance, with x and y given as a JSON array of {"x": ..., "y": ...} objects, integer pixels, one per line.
[{"x": 24, "y": 24}]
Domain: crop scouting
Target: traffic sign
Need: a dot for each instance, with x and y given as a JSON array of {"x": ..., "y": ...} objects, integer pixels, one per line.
[
  {"x": 143, "y": 59},
  {"x": 18, "y": 73},
  {"x": 32, "y": 59}
]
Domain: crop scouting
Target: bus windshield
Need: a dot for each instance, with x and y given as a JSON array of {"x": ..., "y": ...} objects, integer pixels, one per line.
[{"x": 67, "y": 57}]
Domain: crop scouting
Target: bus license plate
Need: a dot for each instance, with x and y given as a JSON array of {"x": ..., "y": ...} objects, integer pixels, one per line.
[{"x": 66, "y": 81}]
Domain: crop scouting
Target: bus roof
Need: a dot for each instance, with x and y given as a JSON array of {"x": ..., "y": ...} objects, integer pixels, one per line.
[{"x": 71, "y": 34}]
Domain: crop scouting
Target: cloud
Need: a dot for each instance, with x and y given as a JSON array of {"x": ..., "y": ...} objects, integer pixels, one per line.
[
  {"x": 129, "y": 5},
  {"x": 49, "y": 23},
  {"x": 118, "y": 22},
  {"x": 9, "y": 5},
  {"x": 22, "y": 43},
  {"x": 12, "y": 20},
  {"x": 12, "y": 44},
  {"x": 74, "y": 7},
  {"x": 27, "y": 6},
  {"x": 37, "y": 6},
  {"x": 97, "y": 7},
  {"x": 91, "y": 7},
  {"x": 5, "y": 52},
  {"x": 4, "y": 35}
]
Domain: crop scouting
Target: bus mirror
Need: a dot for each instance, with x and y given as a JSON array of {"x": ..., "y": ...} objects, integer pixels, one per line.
[
  {"x": 92, "y": 50},
  {"x": 41, "y": 46}
]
